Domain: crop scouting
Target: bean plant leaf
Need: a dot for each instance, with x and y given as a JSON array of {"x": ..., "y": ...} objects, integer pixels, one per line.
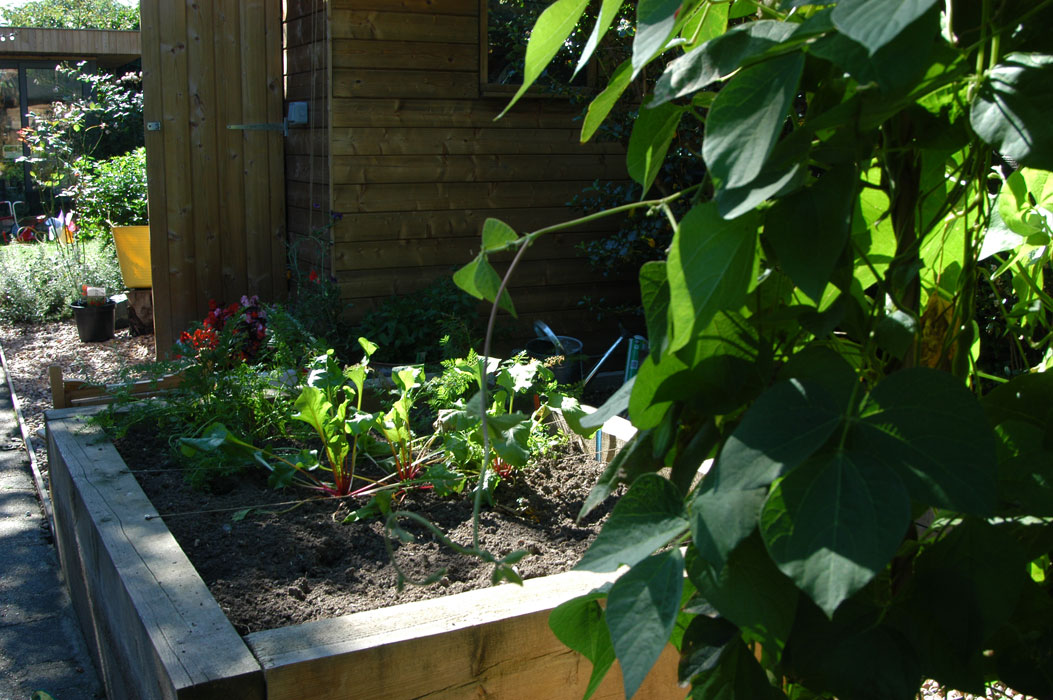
[
  {"x": 635, "y": 458},
  {"x": 931, "y": 430},
  {"x": 703, "y": 643},
  {"x": 710, "y": 268},
  {"x": 719, "y": 57},
  {"x": 655, "y": 24},
  {"x": 834, "y": 522},
  {"x": 737, "y": 675},
  {"x": 497, "y": 235},
  {"x": 608, "y": 10},
  {"x": 550, "y": 31},
  {"x": 708, "y": 22},
  {"x": 747, "y": 117},
  {"x": 874, "y": 23},
  {"x": 652, "y": 134},
  {"x": 581, "y": 625},
  {"x": 1012, "y": 107},
  {"x": 618, "y": 402},
  {"x": 604, "y": 102},
  {"x": 654, "y": 294},
  {"x": 642, "y": 608},
  {"x": 808, "y": 230},
  {"x": 749, "y": 591},
  {"x": 481, "y": 280},
  {"x": 650, "y": 515}
]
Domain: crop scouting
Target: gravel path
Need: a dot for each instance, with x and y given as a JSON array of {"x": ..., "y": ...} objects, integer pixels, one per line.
[{"x": 30, "y": 350}]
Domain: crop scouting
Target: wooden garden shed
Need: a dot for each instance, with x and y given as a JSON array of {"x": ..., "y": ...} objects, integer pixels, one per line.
[{"x": 400, "y": 140}]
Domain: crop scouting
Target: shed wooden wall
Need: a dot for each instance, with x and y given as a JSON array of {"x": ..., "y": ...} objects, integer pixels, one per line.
[{"x": 417, "y": 162}]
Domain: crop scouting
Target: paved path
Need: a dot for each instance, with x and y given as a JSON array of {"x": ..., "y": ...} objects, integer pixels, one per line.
[{"x": 41, "y": 646}]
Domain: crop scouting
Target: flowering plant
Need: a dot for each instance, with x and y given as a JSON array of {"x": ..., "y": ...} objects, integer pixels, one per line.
[
  {"x": 228, "y": 335},
  {"x": 93, "y": 296}
]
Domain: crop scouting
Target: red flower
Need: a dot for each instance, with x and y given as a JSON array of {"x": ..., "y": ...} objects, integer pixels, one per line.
[{"x": 313, "y": 277}]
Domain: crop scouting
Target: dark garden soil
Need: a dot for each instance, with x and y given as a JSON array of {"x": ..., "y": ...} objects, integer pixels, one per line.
[{"x": 282, "y": 565}]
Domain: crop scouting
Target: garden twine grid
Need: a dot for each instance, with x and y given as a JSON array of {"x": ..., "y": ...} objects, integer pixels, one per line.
[{"x": 31, "y": 349}]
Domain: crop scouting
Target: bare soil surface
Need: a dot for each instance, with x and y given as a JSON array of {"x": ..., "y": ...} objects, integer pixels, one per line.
[{"x": 291, "y": 559}]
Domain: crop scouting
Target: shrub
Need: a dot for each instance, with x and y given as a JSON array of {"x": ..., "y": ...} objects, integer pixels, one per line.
[
  {"x": 111, "y": 191},
  {"x": 38, "y": 282}
]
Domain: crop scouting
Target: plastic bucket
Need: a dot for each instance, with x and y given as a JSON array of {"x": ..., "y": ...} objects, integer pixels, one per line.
[
  {"x": 94, "y": 323},
  {"x": 569, "y": 370},
  {"x": 133, "y": 254}
]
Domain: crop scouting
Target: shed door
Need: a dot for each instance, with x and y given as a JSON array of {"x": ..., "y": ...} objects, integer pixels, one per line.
[{"x": 217, "y": 196}]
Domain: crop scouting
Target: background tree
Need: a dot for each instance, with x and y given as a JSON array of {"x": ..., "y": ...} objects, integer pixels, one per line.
[{"x": 72, "y": 14}]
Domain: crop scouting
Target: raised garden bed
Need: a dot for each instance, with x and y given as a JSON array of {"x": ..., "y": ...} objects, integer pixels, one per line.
[{"x": 156, "y": 631}]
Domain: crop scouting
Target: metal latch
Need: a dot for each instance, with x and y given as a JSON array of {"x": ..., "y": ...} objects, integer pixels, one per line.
[{"x": 282, "y": 127}]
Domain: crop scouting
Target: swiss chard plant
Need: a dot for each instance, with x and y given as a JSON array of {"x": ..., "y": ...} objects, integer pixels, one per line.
[{"x": 830, "y": 493}]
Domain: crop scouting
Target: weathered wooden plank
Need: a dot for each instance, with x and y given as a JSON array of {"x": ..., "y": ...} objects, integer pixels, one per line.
[
  {"x": 256, "y": 171},
  {"x": 384, "y": 282},
  {"x": 545, "y": 114},
  {"x": 306, "y": 27},
  {"x": 153, "y": 111},
  {"x": 304, "y": 195},
  {"x": 400, "y": 253},
  {"x": 231, "y": 148},
  {"x": 181, "y": 270},
  {"x": 386, "y": 226},
  {"x": 203, "y": 140},
  {"x": 439, "y": 7},
  {"x": 462, "y": 141},
  {"x": 364, "y": 82},
  {"x": 403, "y": 26},
  {"x": 108, "y": 46},
  {"x": 307, "y": 86},
  {"x": 492, "y": 643},
  {"x": 306, "y": 169},
  {"x": 275, "y": 95},
  {"x": 159, "y": 632},
  {"x": 475, "y": 168},
  {"x": 391, "y": 55},
  {"x": 312, "y": 139},
  {"x": 305, "y": 58},
  {"x": 454, "y": 195}
]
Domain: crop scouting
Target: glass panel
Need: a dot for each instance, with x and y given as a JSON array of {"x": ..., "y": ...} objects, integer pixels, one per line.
[
  {"x": 508, "y": 27},
  {"x": 12, "y": 180}
]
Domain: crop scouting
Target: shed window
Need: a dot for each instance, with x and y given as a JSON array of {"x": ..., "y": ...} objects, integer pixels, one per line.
[{"x": 507, "y": 28}]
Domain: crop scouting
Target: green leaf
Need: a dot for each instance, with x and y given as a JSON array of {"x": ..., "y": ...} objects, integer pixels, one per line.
[
  {"x": 1012, "y": 107},
  {"x": 608, "y": 10},
  {"x": 652, "y": 134},
  {"x": 874, "y": 23},
  {"x": 750, "y": 591},
  {"x": 703, "y": 642},
  {"x": 642, "y": 608},
  {"x": 550, "y": 31},
  {"x": 497, "y": 235},
  {"x": 710, "y": 268},
  {"x": 654, "y": 294},
  {"x": 618, "y": 402},
  {"x": 708, "y": 22},
  {"x": 481, "y": 280},
  {"x": 508, "y": 436},
  {"x": 833, "y": 523},
  {"x": 650, "y": 515},
  {"x": 930, "y": 429},
  {"x": 604, "y": 102},
  {"x": 747, "y": 117},
  {"x": 719, "y": 57},
  {"x": 808, "y": 230},
  {"x": 580, "y": 624},
  {"x": 738, "y": 675},
  {"x": 635, "y": 458},
  {"x": 655, "y": 24}
]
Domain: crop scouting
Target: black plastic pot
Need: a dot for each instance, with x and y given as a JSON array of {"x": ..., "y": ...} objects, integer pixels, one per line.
[
  {"x": 94, "y": 323},
  {"x": 569, "y": 370}
]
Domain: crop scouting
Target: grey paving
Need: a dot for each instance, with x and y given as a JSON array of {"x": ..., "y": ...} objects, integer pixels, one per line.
[{"x": 41, "y": 646}]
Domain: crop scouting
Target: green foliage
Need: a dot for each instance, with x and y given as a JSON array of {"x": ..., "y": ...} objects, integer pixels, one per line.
[
  {"x": 110, "y": 192},
  {"x": 72, "y": 14},
  {"x": 38, "y": 282},
  {"x": 432, "y": 324},
  {"x": 64, "y": 140},
  {"x": 874, "y": 512}
]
